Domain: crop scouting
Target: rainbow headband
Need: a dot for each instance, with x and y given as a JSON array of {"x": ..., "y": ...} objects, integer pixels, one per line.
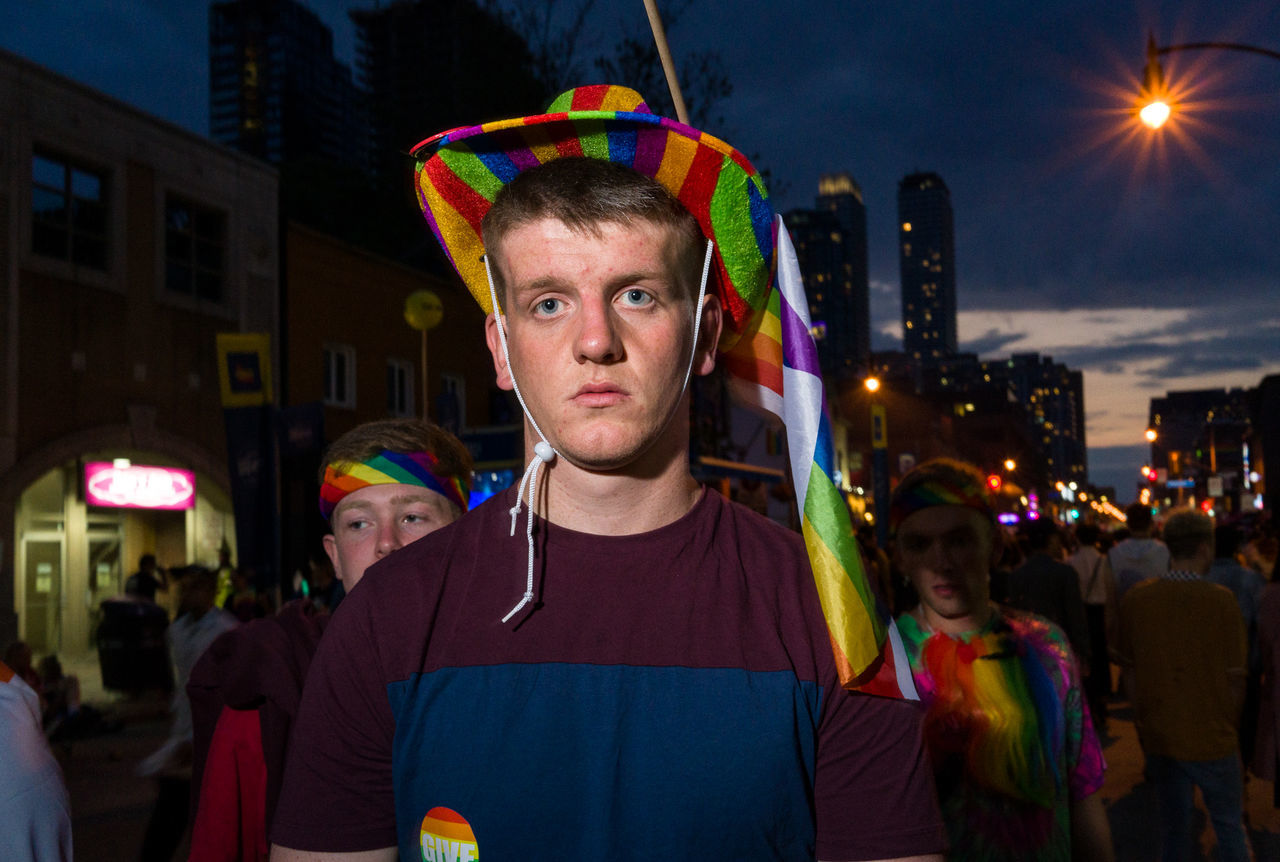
[
  {"x": 389, "y": 468},
  {"x": 946, "y": 487}
]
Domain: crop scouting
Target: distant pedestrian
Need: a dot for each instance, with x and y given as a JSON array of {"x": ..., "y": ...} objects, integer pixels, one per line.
[
  {"x": 1098, "y": 590},
  {"x": 149, "y": 578},
  {"x": 1182, "y": 646},
  {"x": 1139, "y": 556},
  {"x": 189, "y": 636},
  {"x": 1047, "y": 586},
  {"x": 1246, "y": 585}
]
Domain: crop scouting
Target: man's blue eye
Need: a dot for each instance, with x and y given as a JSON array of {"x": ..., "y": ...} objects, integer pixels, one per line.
[
  {"x": 548, "y": 306},
  {"x": 636, "y": 296}
]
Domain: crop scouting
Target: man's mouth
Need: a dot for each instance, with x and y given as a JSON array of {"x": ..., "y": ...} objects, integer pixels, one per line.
[
  {"x": 599, "y": 395},
  {"x": 946, "y": 590}
]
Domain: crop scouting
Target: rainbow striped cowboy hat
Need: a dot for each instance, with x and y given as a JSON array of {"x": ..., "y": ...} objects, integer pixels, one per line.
[{"x": 459, "y": 172}]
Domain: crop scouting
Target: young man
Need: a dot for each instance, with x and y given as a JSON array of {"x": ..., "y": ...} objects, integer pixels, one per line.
[
  {"x": 1017, "y": 762},
  {"x": 1182, "y": 648},
  {"x": 384, "y": 485},
  {"x": 665, "y": 684}
]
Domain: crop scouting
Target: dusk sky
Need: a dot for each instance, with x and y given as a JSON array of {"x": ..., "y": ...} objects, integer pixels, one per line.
[{"x": 1151, "y": 262}]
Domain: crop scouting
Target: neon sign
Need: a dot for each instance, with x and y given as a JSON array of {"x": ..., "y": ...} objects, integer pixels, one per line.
[{"x": 138, "y": 487}]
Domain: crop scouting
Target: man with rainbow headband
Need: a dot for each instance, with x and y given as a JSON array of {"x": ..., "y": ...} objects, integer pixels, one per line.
[
  {"x": 612, "y": 662},
  {"x": 384, "y": 485},
  {"x": 1016, "y": 760}
]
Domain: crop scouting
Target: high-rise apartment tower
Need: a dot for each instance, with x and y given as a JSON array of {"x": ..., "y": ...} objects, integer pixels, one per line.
[{"x": 927, "y": 259}]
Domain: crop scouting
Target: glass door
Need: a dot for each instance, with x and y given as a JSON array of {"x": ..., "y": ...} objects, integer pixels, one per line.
[{"x": 44, "y": 590}]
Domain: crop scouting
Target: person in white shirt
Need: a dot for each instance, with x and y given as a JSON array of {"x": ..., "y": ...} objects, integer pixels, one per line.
[
  {"x": 35, "y": 811},
  {"x": 1140, "y": 556}
]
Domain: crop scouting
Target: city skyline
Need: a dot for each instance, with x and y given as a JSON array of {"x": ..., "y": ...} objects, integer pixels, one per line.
[{"x": 1149, "y": 266}]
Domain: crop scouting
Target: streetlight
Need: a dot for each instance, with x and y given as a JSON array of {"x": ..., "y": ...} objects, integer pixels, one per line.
[
  {"x": 879, "y": 463},
  {"x": 1155, "y": 96},
  {"x": 1010, "y": 464},
  {"x": 1150, "y": 434}
]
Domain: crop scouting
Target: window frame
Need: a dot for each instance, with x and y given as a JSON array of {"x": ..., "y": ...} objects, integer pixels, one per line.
[
  {"x": 331, "y": 376},
  {"x": 197, "y": 241},
  {"x": 400, "y": 376},
  {"x": 107, "y": 174}
]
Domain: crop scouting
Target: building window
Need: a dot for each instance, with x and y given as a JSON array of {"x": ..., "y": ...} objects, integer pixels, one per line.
[
  {"x": 399, "y": 387},
  {"x": 339, "y": 375},
  {"x": 451, "y": 405},
  {"x": 68, "y": 211},
  {"x": 195, "y": 249}
]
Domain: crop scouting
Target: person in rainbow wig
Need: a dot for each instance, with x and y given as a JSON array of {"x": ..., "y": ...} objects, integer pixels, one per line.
[
  {"x": 607, "y": 661},
  {"x": 1017, "y": 763},
  {"x": 383, "y": 485}
]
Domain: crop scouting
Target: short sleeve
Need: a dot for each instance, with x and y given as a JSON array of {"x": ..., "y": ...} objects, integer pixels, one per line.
[
  {"x": 874, "y": 790},
  {"x": 1086, "y": 768},
  {"x": 337, "y": 794}
]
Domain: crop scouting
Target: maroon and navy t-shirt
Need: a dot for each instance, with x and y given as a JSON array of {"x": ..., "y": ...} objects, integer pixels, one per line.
[{"x": 669, "y": 695}]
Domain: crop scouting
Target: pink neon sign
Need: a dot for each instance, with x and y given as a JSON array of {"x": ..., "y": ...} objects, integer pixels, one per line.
[{"x": 138, "y": 487}]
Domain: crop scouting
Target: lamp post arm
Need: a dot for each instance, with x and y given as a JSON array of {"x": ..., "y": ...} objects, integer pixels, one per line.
[{"x": 1226, "y": 46}]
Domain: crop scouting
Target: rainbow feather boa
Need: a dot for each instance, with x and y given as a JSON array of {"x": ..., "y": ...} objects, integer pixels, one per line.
[{"x": 992, "y": 702}]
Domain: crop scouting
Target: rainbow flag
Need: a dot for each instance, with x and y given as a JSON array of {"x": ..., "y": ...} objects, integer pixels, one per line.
[{"x": 775, "y": 369}]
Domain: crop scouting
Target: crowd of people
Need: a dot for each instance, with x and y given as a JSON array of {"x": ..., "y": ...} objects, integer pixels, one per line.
[{"x": 611, "y": 660}]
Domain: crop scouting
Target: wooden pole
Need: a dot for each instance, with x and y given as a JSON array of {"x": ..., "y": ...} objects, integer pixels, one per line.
[
  {"x": 668, "y": 64},
  {"x": 426, "y": 415}
]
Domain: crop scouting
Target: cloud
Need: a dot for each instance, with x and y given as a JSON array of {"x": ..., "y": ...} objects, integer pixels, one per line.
[{"x": 993, "y": 341}]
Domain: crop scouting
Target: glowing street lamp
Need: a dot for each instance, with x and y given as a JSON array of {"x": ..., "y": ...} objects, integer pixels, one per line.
[
  {"x": 1010, "y": 464},
  {"x": 872, "y": 384},
  {"x": 1155, "y": 97},
  {"x": 1150, "y": 434}
]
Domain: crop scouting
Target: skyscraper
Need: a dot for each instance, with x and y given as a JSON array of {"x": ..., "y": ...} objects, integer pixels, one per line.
[
  {"x": 276, "y": 90},
  {"x": 831, "y": 245},
  {"x": 927, "y": 259},
  {"x": 429, "y": 66}
]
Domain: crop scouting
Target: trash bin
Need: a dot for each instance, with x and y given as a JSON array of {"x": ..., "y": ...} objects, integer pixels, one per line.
[{"x": 132, "y": 651}]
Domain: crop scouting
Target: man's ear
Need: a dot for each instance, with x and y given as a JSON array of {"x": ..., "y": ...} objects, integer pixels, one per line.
[
  {"x": 709, "y": 335},
  {"x": 330, "y": 542},
  {"x": 494, "y": 340}
]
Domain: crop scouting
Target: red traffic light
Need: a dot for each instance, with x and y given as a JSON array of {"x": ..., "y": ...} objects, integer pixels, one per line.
[
  {"x": 994, "y": 482},
  {"x": 1206, "y": 505}
]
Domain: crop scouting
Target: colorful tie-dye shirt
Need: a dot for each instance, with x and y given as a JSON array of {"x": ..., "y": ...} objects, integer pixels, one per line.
[{"x": 1005, "y": 797}]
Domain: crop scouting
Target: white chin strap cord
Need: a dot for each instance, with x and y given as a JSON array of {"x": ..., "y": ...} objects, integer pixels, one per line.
[{"x": 542, "y": 450}]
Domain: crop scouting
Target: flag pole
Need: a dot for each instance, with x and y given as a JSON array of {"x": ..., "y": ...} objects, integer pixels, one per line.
[{"x": 668, "y": 64}]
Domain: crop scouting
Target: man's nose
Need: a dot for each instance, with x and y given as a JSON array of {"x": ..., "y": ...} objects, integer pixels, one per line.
[
  {"x": 598, "y": 337},
  {"x": 936, "y": 556},
  {"x": 388, "y": 538}
]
